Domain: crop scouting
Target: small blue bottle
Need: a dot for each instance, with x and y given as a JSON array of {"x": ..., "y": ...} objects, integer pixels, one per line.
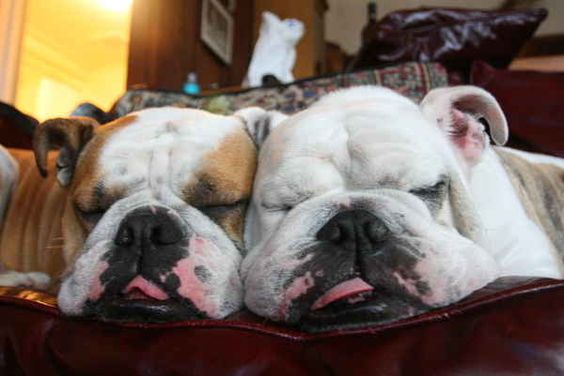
[{"x": 191, "y": 86}]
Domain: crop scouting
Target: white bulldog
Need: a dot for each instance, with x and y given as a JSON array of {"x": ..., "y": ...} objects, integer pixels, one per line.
[
  {"x": 368, "y": 208},
  {"x": 154, "y": 215}
]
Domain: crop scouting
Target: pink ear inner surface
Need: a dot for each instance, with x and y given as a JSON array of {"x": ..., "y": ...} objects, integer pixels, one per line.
[{"x": 468, "y": 135}]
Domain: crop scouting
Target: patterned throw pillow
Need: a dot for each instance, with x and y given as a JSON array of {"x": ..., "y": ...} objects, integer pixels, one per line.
[{"x": 410, "y": 79}]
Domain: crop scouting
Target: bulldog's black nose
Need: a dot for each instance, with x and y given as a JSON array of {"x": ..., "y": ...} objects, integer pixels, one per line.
[
  {"x": 149, "y": 227},
  {"x": 354, "y": 230}
]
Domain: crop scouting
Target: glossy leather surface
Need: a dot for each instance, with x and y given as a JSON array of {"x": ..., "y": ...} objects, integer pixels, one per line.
[
  {"x": 453, "y": 37},
  {"x": 514, "y": 326}
]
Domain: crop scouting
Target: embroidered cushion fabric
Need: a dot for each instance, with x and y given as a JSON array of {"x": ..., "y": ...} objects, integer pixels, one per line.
[{"x": 410, "y": 79}]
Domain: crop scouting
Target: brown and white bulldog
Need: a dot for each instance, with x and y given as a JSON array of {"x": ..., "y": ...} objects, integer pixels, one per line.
[
  {"x": 9, "y": 169},
  {"x": 154, "y": 211},
  {"x": 368, "y": 208}
]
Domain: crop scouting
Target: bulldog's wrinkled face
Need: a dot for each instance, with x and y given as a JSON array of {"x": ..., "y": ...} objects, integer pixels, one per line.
[
  {"x": 153, "y": 227},
  {"x": 355, "y": 217}
]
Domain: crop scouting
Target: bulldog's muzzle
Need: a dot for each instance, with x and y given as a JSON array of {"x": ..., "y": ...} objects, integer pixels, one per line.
[
  {"x": 153, "y": 262},
  {"x": 355, "y": 244},
  {"x": 359, "y": 258},
  {"x": 357, "y": 239},
  {"x": 140, "y": 278}
]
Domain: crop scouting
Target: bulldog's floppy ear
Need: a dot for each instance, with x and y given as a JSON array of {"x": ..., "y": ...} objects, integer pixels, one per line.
[
  {"x": 68, "y": 134},
  {"x": 259, "y": 122},
  {"x": 457, "y": 111}
]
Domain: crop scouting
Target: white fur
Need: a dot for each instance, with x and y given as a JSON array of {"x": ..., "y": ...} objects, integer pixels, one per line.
[
  {"x": 225, "y": 289},
  {"x": 516, "y": 242},
  {"x": 8, "y": 179},
  {"x": 33, "y": 280},
  {"x": 369, "y": 140},
  {"x": 449, "y": 263},
  {"x": 154, "y": 158},
  {"x": 349, "y": 147},
  {"x": 439, "y": 102},
  {"x": 163, "y": 148}
]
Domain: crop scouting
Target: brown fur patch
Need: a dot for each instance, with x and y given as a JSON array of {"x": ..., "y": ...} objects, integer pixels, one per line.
[
  {"x": 225, "y": 178},
  {"x": 85, "y": 190},
  {"x": 232, "y": 224},
  {"x": 87, "y": 175},
  {"x": 541, "y": 190},
  {"x": 70, "y": 134},
  {"x": 31, "y": 237},
  {"x": 74, "y": 233},
  {"x": 230, "y": 219},
  {"x": 87, "y": 166}
]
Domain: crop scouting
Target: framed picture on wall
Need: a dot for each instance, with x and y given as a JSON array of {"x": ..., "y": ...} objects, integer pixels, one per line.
[
  {"x": 229, "y": 5},
  {"x": 217, "y": 29}
]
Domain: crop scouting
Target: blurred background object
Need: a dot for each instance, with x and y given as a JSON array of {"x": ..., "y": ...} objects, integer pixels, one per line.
[
  {"x": 452, "y": 36},
  {"x": 369, "y": 29},
  {"x": 274, "y": 55},
  {"x": 191, "y": 86}
]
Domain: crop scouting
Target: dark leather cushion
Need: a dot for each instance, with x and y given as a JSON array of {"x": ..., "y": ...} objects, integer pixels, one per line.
[
  {"x": 453, "y": 37},
  {"x": 532, "y": 102},
  {"x": 514, "y": 326}
]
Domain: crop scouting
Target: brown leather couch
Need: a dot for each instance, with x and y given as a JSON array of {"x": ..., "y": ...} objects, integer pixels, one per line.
[{"x": 514, "y": 326}]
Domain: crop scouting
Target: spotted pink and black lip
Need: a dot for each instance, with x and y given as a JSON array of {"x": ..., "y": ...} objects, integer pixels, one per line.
[
  {"x": 145, "y": 301},
  {"x": 356, "y": 305}
]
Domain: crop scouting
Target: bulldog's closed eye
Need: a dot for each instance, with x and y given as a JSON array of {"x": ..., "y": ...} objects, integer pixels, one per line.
[
  {"x": 432, "y": 195},
  {"x": 90, "y": 215},
  {"x": 278, "y": 208},
  {"x": 220, "y": 208},
  {"x": 430, "y": 191},
  {"x": 288, "y": 203}
]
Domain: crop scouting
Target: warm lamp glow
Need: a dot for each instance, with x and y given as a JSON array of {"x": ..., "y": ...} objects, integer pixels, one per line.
[
  {"x": 116, "y": 5},
  {"x": 58, "y": 70}
]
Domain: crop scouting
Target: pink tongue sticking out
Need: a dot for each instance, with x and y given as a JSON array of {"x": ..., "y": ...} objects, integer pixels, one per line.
[
  {"x": 139, "y": 286},
  {"x": 343, "y": 290}
]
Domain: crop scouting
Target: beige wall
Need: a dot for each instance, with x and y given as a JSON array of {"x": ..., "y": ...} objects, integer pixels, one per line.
[
  {"x": 73, "y": 51},
  {"x": 554, "y": 24},
  {"x": 11, "y": 27},
  {"x": 346, "y": 18}
]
